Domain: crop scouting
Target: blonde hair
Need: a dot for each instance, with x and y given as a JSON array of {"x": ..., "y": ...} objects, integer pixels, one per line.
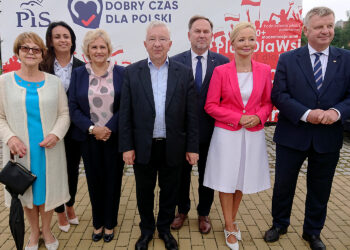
[
  {"x": 27, "y": 37},
  {"x": 319, "y": 11},
  {"x": 240, "y": 26},
  {"x": 91, "y": 36}
]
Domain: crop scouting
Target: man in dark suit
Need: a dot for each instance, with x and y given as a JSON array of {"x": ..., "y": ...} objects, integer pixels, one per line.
[
  {"x": 202, "y": 62},
  {"x": 312, "y": 92},
  {"x": 158, "y": 128}
]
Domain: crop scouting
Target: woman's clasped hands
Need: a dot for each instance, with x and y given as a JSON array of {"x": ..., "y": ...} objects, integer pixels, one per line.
[
  {"x": 101, "y": 133},
  {"x": 249, "y": 121}
]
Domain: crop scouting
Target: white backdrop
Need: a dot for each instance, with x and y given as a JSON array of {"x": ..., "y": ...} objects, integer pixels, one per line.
[
  {"x": 278, "y": 24},
  {"x": 126, "y": 21}
]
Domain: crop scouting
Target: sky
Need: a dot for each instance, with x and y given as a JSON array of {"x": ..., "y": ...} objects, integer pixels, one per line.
[{"x": 338, "y": 6}]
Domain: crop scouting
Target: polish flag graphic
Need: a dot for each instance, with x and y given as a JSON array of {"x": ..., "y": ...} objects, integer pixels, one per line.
[
  {"x": 231, "y": 17},
  {"x": 251, "y": 2}
]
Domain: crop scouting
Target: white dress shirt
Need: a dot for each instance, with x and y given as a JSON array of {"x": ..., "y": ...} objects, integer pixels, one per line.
[
  {"x": 324, "y": 61},
  {"x": 323, "y": 58},
  {"x": 204, "y": 61}
]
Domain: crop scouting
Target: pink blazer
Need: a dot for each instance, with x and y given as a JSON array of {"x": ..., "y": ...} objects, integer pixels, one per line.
[{"x": 224, "y": 101}]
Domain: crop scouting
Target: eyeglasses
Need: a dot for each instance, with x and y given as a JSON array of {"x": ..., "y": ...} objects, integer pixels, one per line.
[
  {"x": 161, "y": 40},
  {"x": 26, "y": 49}
]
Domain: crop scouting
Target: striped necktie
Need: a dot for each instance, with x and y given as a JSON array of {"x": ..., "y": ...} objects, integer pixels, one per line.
[{"x": 318, "y": 70}]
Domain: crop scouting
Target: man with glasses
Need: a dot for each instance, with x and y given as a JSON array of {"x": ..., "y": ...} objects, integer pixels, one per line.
[{"x": 158, "y": 129}]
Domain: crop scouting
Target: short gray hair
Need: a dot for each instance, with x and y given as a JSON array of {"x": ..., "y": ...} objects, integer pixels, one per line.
[
  {"x": 319, "y": 11},
  {"x": 157, "y": 23}
]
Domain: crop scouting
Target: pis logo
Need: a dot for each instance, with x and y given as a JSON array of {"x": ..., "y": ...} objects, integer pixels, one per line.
[
  {"x": 31, "y": 14},
  {"x": 86, "y": 13}
]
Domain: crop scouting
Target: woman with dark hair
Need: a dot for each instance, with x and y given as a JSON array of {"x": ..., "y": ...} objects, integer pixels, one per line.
[
  {"x": 60, "y": 46},
  {"x": 59, "y": 60}
]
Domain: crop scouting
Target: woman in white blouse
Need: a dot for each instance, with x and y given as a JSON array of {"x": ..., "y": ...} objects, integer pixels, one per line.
[{"x": 239, "y": 101}]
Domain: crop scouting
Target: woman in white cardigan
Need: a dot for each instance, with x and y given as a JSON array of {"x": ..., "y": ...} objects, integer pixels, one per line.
[{"x": 34, "y": 118}]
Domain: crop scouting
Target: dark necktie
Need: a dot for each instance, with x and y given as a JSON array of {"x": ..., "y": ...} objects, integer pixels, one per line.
[
  {"x": 199, "y": 72},
  {"x": 318, "y": 71}
]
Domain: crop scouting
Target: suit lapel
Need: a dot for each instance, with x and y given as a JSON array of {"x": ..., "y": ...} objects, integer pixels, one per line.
[
  {"x": 85, "y": 89},
  {"x": 75, "y": 63},
  {"x": 187, "y": 59},
  {"x": 334, "y": 60},
  {"x": 234, "y": 83},
  {"x": 117, "y": 80},
  {"x": 304, "y": 62},
  {"x": 211, "y": 63},
  {"x": 145, "y": 80},
  {"x": 171, "y": 83}
]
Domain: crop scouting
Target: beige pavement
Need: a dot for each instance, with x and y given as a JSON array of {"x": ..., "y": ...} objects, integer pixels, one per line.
[{"x": 254, "y": 217}]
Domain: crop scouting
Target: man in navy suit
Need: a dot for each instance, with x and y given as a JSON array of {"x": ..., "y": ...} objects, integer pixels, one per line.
[
  {"x": 158, "y": 129},
  {"x": 200, "y": 35},
  {"x": 312, "y": 92}
]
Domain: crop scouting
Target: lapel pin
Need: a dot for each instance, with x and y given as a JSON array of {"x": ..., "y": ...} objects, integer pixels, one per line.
[{"x": 334, "y": 61}]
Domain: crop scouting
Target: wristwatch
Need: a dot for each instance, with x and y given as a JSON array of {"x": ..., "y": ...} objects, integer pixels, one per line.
[{"x": 91, "y": 128}]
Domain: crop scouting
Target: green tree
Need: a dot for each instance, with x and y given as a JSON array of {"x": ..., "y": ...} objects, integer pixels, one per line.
[
  {"x": 303, "y": 39},
  {"x": 338, "y": 38},
  {"x": 346, "y": 35}
]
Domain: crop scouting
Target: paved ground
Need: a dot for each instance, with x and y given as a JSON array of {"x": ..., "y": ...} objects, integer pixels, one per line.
[{"x": 254, "y": 217}]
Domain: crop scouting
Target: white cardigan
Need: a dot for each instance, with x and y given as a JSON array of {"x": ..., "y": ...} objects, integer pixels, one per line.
[{"x": 55, "y": 120}]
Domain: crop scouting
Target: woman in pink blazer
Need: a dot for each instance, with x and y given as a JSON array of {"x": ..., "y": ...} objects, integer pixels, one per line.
[{"x": 239, "y": 101}]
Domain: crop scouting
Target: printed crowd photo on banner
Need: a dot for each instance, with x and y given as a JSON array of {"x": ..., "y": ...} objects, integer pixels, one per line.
[{"x": 278, "y": 24}]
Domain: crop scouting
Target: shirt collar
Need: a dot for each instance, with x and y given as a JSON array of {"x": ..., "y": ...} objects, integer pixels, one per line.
[
  {"x": 57, "y": 64},
  {"x": 313, "y": 51},
  {"x": 194, "y": 55},
  {"x": 151, "y": 63},
  {"x": 108, "y": 71}
]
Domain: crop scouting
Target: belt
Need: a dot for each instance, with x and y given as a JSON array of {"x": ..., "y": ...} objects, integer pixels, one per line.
[{"x": 158, "y": 139}]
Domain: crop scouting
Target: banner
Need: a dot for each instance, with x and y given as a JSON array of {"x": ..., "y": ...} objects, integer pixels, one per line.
[{"x": 278, "y": 24}]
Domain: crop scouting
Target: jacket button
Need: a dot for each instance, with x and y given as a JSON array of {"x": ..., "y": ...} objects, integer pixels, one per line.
[{"x": 243, "y": 111}]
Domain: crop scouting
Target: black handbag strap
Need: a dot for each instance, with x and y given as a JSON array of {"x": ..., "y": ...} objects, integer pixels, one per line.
[{"x": 12, "y": 157}]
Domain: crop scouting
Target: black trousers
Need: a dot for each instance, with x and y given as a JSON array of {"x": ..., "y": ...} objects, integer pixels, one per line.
[
  {"x": 168, "y": 181},
  {"x": 73, "y": 155},
  {"x": 104, "y": 171},
  {"x": 205, "y": 194},
  {"x": 320, "y": 172}
]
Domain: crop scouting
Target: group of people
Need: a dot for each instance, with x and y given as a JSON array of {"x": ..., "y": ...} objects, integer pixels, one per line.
[
  {"x": 165, "y": 114},
  {"x": 36, "y": 110}
]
